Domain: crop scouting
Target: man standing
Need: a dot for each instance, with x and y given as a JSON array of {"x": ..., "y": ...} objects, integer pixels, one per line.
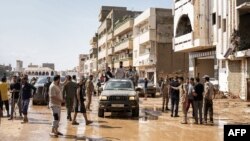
[
  {"x": 136, "y": 76},
  {"x": 89, "y": 91},
  {"x": 165, "y": 94},
  {"x": 74, "y": 79},
  {"x": 130, "y": 74},
  {"x": 190, "y": 95},
  {"x": 4, "y": 87},
  {"x": 55, "y": 102},
  {"x": 183, "y": 98},
  {"x": 69, "y": 92},
  {"x": 46, "y": 91},
  {"x": 208, "y": 99},
  {"x": 198, "y": 100},
  {"x": 108, "y": 75},
  {"x": 79, "y": 104},
  {"x": 15, "y": 88},
  {"x": 120, "y": 72},
  {"x": 26, "y": 94},
  {"x": 175, "y": 97}
]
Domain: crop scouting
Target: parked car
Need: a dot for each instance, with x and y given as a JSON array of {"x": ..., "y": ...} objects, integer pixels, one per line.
[
  {"x": 118, "y": 95},
  {"x": 150, "y": 90},
  {"x": 38, "y": 97}
]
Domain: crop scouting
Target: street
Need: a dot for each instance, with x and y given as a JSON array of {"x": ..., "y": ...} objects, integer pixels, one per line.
[{"x": 121, "y": 127}]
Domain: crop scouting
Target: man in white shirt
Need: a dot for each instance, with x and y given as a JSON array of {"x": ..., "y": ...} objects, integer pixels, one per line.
[
  {"x": 120, "y": 72},
  {"x": 55, "y": 105}
]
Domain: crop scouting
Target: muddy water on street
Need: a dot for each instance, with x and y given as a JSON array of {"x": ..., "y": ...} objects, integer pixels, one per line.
[{"x": 121, "y": 127}]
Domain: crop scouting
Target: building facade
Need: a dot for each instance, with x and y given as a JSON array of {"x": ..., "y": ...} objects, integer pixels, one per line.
[
  {"x": 214, "y": 34},
  {"x": 49, "y": 65},
  {"x": 19, "y": 66},
  {"x": 152, "y": 45},
  {"x": 115, "y": 37},
  {"x": 82, "y": 59}
]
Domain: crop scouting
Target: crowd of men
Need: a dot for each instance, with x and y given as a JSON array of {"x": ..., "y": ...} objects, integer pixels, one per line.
[{"x": 189, "y": 92}]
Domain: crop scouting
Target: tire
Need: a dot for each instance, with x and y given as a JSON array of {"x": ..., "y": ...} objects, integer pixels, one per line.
[
  {"x": 100, "y": 112},
  {"x": 135, "y": 112},
  {"x": 153, "y": 95}
]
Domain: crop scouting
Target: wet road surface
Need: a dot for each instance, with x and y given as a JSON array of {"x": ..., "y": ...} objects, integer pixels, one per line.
[{"x": 121, "y": 127}]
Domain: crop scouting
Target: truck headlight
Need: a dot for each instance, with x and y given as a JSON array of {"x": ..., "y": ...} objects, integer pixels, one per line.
[
  {"x": 103, "y": 98},
  {"x": 131, "y": 98}
]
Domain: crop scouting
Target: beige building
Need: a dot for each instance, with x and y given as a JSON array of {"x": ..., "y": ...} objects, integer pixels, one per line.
[
  {"x": 214, "y": 33},
  {"x": 152, "y": 45},
  {"x": 82, "y": 59},
  {"x": 115, "y": 37}
]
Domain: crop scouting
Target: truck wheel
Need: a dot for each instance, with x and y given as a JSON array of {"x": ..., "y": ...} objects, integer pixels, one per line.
[
  {"x": 100, "y": 112},
  {"x": 135, "y": 112}
]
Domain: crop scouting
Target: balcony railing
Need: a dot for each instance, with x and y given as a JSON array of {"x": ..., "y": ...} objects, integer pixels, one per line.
[
  {"x": 125, "y": 44},
  {"x": 183, "y": 42},
  {"x": 122, "y": 26}
]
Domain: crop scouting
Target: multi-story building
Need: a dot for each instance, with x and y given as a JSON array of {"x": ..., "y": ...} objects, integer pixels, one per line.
[
  {"x": 152, "y": 45},
  {"x": 93, "y": 53},
  {"x": 214, "y": 33},
  {"x": 114, "y": 36},
  {"x": 49, "y": 65},
  {"x": 19, "y": 66},
  {"x": 82, "y": 59}
]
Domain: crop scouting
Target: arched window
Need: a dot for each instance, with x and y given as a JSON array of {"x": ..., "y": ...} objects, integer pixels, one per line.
[
  {"x": 43, "y": 73},
  {"x": 40, "y": 73},
  {"x": 183, "y": 26},
  {"x": 52, "y": 73},
  {"x": 47, "y": 73}
]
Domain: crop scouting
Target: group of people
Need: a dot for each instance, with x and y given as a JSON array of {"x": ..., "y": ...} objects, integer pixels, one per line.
[
  {"x": 21, "y": 92},
  {"x": 189, "y": 92}
]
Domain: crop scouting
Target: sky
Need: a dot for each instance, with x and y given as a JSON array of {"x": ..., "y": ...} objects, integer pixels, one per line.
[{"x": 54, "y": 31}]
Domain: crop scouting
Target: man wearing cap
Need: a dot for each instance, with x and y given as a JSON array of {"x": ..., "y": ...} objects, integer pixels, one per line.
[
  {"x": 208, "y": 99},
  {"x": 89, "y": 91}
]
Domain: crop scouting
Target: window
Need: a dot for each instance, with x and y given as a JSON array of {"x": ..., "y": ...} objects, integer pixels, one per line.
[
  {"x": 219, "y": 20},
  {"x": 223, "y": 64},
  {"x": 214, "y": 18},
  {"x": 224, "y": 25}
]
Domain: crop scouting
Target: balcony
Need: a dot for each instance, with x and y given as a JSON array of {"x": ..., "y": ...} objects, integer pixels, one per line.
[
  {"x": 145, "y": 60},
  {"x": 146, "y": 36},
  {"x": 102, "y": 54},
  {"x": 93, "y": 41},
  {"x": 102, "y": 40},
  {"x": 184, "y": 42},
  {"x": 124, "y": 26},
  {"x": 242, "y": 2},
  {"x": 125, "y": 44},
  {"x": 110, "y": 51}
]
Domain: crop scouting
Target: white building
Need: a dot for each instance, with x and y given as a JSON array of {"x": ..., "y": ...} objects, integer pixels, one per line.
[
  {"x": 19, "y": 66},
  {"x": 203, "y": 28},
  {"x": 152, "y": 45}
]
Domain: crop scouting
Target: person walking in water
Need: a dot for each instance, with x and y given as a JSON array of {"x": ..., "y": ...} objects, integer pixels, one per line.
[
  {"x": 55, "y": 102},
  {"x": 89, "y": 91},
  {"x": 79, "y": 106},
  {"x": 69, "y": 92}
]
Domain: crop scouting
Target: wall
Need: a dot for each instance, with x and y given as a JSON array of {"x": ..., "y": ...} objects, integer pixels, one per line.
[{"x": 234, "y": 77}]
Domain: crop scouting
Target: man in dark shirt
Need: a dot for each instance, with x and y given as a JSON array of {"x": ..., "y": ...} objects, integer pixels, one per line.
[
  {"x": 175, "y": 98},
  {"x": 26, "y": 94},
  {"x": 198, "y": 100},
  {"x": 108, "y": 74},
  {"x": 15, "y": 88},
  {"x": 46, "y": 91}
]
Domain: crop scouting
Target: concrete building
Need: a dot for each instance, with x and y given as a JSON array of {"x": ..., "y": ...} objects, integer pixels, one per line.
[
  {"x": 19, "y": 66},
  {"x": 39, "y": 71},
  {"x": 114, "y": 36},
  {"x": 32, "y": 66},
  {"x": 49, "y": 65},
  {"x": 214, "y": 33},
  {"x": 82, "y": 59},
  {"x": 152, "y": 45},
  {"x": 93, "y": 55}
]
